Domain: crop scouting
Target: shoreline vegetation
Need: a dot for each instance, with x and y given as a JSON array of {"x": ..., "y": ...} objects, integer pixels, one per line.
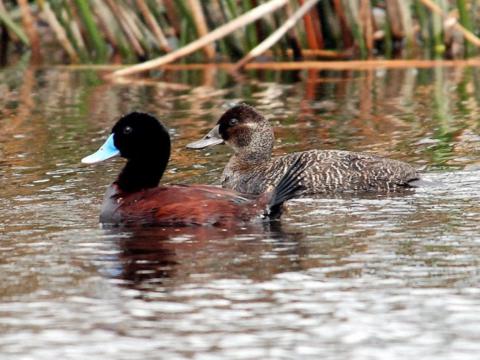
[{"x": 153, "y": 33}]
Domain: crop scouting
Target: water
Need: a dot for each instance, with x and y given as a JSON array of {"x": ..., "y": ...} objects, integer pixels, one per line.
[{"x": 342, "y": 277}]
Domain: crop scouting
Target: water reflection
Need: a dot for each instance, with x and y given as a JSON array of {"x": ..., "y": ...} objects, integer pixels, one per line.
[
  {"x": 339, "y": 277},
  {"x": 154, "y": 258}
]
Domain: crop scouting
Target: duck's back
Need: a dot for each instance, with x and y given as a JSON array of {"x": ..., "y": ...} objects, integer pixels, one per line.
[
  {"x": 326, "y": 171},
  {"x": 178, "y": 205}
]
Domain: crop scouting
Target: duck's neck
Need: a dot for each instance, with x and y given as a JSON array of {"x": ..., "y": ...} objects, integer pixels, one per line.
[
  {"x": 252, "y": 158},
  {"x": 141, "y": 174},
  {"x": 258, "y": 151}
]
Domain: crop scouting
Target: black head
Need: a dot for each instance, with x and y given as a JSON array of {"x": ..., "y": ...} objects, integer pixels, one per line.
[
  {"x": 145, "y": 143},
  {"x": 140, "y": 136}
]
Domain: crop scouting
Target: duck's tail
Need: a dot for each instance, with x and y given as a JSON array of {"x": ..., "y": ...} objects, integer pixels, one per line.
[{"x": 288, "y": 187}]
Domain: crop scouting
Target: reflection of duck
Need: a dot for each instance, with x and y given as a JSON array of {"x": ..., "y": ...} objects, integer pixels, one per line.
[
  {"x": 150, "y": 258},
  {"x": 252, "y": 169},
  {"x": 134, "y": 197}
]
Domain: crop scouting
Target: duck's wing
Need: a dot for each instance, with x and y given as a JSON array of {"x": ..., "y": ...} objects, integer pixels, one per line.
[{"x": 336, "y": 170}]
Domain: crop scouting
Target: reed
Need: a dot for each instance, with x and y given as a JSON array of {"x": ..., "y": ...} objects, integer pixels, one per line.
[{"x": 131, "y": 31}]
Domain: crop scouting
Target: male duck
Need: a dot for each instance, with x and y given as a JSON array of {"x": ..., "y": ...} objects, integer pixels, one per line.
[
  {"x": 251, "y": 168},
  {"x": 135, "y": 198}
]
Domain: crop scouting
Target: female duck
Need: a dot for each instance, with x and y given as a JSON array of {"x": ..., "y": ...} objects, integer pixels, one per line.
[
  {"x": 251, "y": 168},
  {"x": 135, "y": 198}
]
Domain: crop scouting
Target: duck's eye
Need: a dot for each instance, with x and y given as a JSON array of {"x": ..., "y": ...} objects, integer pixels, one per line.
[
  {"x": 127, "y": 130},
  {"x": 233, "y": 122}
]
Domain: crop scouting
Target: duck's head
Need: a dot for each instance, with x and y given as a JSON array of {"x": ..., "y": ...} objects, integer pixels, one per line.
[
  {"x": 144, "y": 142},
  {"x": 136, "y": 136},
  {"x": 241, "y": 127}
]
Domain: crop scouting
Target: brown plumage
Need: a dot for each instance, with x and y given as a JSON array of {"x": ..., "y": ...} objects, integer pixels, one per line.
[{"x": 252, "y": 168}]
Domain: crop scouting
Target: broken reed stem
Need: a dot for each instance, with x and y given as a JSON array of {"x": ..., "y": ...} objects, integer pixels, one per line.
[
  {"x": 201, "y": 25},
  {"x": 277, "y": 35},
  {"x": 468, "y": 35},
  {"x": 216, "y": 34}
]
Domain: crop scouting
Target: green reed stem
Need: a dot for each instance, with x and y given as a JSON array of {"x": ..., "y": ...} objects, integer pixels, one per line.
[
  {"x": 466, "y": 21},
  {"x": 91, "y": 27},
  {"x": 12, "y": 26}
]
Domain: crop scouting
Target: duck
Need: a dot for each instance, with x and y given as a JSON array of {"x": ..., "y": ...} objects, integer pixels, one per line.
[
  {"x": 135, "y": 197},
  {"x": 251, "y": 168}
]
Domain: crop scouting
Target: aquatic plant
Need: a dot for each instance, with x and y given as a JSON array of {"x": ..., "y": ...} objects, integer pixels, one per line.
[{"x": 130, "y": 31}]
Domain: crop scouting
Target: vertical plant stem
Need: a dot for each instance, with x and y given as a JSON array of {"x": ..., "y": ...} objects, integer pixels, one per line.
[
  {"x": 437, "y": 22},
  {"x": 117, "y": 39},
  {"x": 310, "y": 31},
  {"x": 117, "y": 12},
  {"x": 201, "y": 25},
  {"x": 92, "y": 30},
  {"x": 394, "y": 19},
  {"x": 277, "y": 35},
  {"x": 31, "y": 30},
  {"x": 250, "y": 33},
  {"x": 68, "y": 18},
  {"x": 156, "y": 29},
  {"x": 407, "y": 24},
  {"x": 468, "y": 35},
  {"x": 293, "y": 38},
  {"x": 317, "y": 27},
  {"x": 365, "y": 15},
  {"x": 422, "y": 16},
  {"x": 58, "y": 30},
  {"x": 465, "y": 21},
  {"x": 344, "y": 26},
  {"x": 352, "y": 13}
]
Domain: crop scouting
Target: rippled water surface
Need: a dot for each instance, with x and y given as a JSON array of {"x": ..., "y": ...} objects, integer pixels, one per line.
[{"x": 341, "y": 277}]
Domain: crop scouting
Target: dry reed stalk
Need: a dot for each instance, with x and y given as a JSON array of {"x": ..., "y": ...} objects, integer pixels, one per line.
[
  {"x": 132, "y": 21},
  {"x": 317, "y": 28},
  {"x": 310, "y": 31},
  {"x": 31, "y": 30},
  {"x": 294, "y": 41},
  {"x": 75, "y": 30},
  {"x": 173, "y": 15},
  {"x": 342, "y": 18},
  {"x": 216, "y": 34},
  {"x": 277, "y": 35},
  {"x": 156, "y": 29},
  {"x": 116, "y": 11},
  {"x": 406, "y": 17},
  {"x": 105, "y": 21},
  {"x": 201, "y": 25},
  {"x": 330, "y": 54},
  {"x": 395, "y": 21},
  {"x": 58, "y": 30},
  {"x": 468, "y": 35},
  {"x": 366, "y": 20},
  {"x": 359, "y": 64}
]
